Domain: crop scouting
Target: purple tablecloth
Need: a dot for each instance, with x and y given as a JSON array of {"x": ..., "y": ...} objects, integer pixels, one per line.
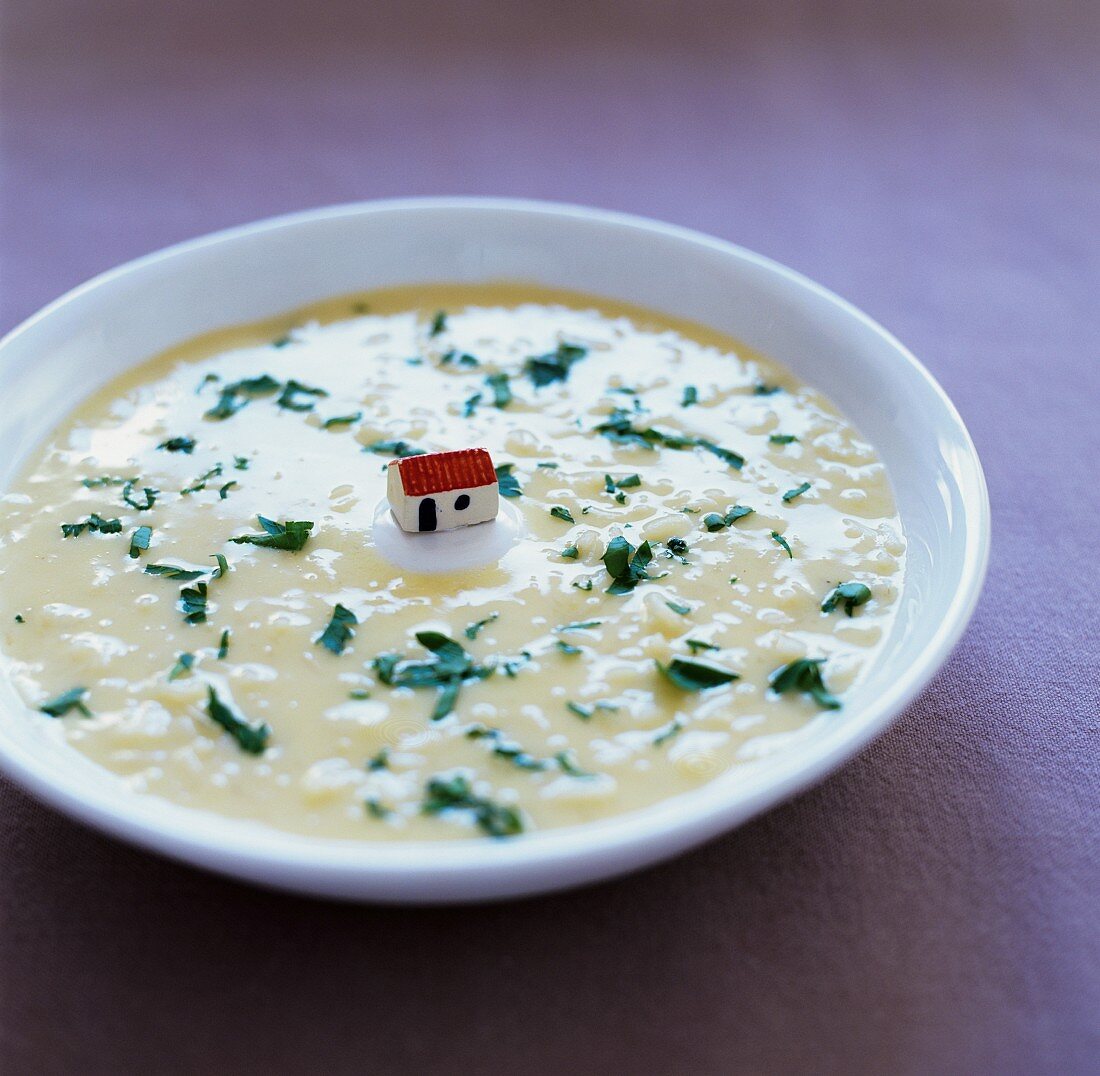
[{"x": 932, "y": 906}]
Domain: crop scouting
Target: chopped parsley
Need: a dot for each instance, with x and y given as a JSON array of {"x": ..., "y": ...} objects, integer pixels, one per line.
[
  {"x": 584, "y": 711},
  {"x": 691, "y": 396},
  {"x": 223, "y": 492},
  {"x": 506, "y": 749},
  {"x": 222, "y": 568},
  {"x": 762, "y": 389},
  {"x": 400, "y": 449},
  {"x": 184, "y": 664},
  {"x": 796, "y": 492},
  {"x": 449, "y": 667},
  {"x": 713, "y": 521},
  {"x": 377, "y": 809},
  {"x": 579, "y": 625},
  {"x": 340, "y": 630},
  {"x": 223, "y": 645},
  {"x": 619, "y": 429},
  {"x": 193, "y": 603},
  {"x": 455, "y": 794},
  {"x": 558, "y": 512},
  {"x": 507, "y": 482},
  {"x": 677, "y": 546},
  {"x": 776, "y": 536},
  {"x": 251, "y": 738},
  {"x": 105, "y": 480},
  {"x": 676, "y": 607},
  {"x": 461, "y": 357},
  {"x": 555, "y": 365},
  {"x": 692, "y": 675},
  {"x": 472, "y": 630},
  {"x": 73, "y": 699},
  {"x": 379, "y": 761},
  {"x": 848, "y": 594},
  {"x": 567, "y": 648},
  {"x": 697, "y": 645},
  {"x": 626, "y": 571},
  {"x": 804, "y": 674},
  {"x": 237, "y": 395},
  {"x": 240, "y": 463},
  {"x": 616, "y": 486},
  {"x": 502, "y": 391},
  {"x": 341, "y": 420},
  {"x": 94, "y": 522},
  {"x": 178, "y": 444},
  {"x": 200, "y": 483},
  {"x": 439, "y": 323},
  {"x": 671, "y": 729},
  {"x": 20, "y": 619},
  {"x": 291, "y": 398},
  {"x": 570, "y": 552},
  {"x": 782, "y": 438},
  {"x": 470, "y": 406},
  {"x": 139, "y": 541},
  {"x": 291, "y": 536},
  {"x": 174, "y": 571}
]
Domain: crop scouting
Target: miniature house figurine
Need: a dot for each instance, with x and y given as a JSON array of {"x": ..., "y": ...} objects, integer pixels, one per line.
[{"x": 438, "y": 491}]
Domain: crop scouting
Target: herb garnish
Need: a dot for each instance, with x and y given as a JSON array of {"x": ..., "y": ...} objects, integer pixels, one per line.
[
  {"x": 676, "y": 607},
  {"x": 200, "y": 483},
  {"x": 473, "y": 629},
  {"x": 461, "y": 357},
  {"x": 762, "y": 389},
  {"x": 291, "y": 535},
  {"x": 400, "y": 449},
  {"x": 507, "y": 482},
  {"x": 249, "y": 737},
  {"x": 697, "y": 645},
  {"x": 377, "y": 809},
  {"x": 691, "y": 396},
  {"x": 626, "y": 572},
  {"x": 804, "y": 675},
  {"x": 449, "y": 667},
  {"x": 783, "y": 542},
  {"x": 579, "y": 625},
  {"x": 585, "y": 712},
  {"x": 289, "y": 398},
  {"x": 470, "y": 406},
  {"x": 439, "y": 323},
  {"x": 670, "y": 730},
  {"x": 139, "y": 541},
  {"x": 796, "y": 492},
  {"x": 235, "y": 396},
  {"x": 222, "y": 568},
  {"x": 223, "y": 492},
  {"x": 851, "y": 594},
  {"x": 20, "y": 619},
  {"x": 782, "y": 438},
  {"x": 341, "y": 420},
  {"x": 223, "y": 645},
  {"x": 380, "y": 761},
  {"x": 94, "y": 522},
  {"x": 178, "y": 444},
  {"x": 619, "y": 428},
  {"x": 570, "y": 552},
  {"x": 558, "y": 512},
  {"x": 677, "y": 546},
  {"x": 715, "y": 522},
  {"x": 105, "y": 480},
  {"x": 555, "y": 365},
  {"x": 183, "y": 665},
  {"x": 73, "y": 699},
  {"x": 193, "y": 603},
  {"x": 240, "y": 463},
  {"x": 454, "y": 793},
  {"x": 340, "y": 630},
  {"x": 502, "y": 391},
  {"x": 567, "y": 648},
  {"x": 174, "y": 571},
  {"x": 694, "y": 675}
]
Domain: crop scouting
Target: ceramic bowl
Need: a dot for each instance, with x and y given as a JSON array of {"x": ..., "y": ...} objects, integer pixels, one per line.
[{"x": 124, "y": 316}]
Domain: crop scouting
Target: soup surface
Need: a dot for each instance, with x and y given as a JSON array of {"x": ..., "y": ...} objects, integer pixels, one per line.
[{"x": 706, "y": 557}]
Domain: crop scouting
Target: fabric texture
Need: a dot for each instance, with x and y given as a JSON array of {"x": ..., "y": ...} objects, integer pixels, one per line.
[{"x": 931, "y": 907}]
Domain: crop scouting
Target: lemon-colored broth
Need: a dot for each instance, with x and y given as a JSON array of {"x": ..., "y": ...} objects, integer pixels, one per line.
[{"x": 92, "y": 618}]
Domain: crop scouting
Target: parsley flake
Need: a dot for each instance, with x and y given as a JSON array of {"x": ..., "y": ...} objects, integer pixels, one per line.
[
  {"x": 850, "y": 594},
  {"x": 454, "y": 793},
  {"x": 472, "y": 630},
  {"x": 558, "y": 512},
  {"x": 507, "y": 482},
  {"x": 796, "y": 492},
  {"x": 776, "y": 536},
  {"x": 804, "y": 674},
  {"x": 250, "y": 738},
  {"x": 626, "y": 571},
  {"x": 291, "y": 536},
  {"x": 185, "y": 445},
  {"x": 73, "y": 699},
  {"x": 139, "y": 541},
  {"x": 340, "y": 630},
  {"x": 692, "y": 675},
  {"x": 555, "y": 365}
]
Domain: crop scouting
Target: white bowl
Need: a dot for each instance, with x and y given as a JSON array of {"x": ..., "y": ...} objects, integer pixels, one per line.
[{"x": 118, "y": 319}]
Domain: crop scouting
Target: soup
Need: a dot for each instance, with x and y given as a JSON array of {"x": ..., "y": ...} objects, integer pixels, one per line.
[{"x": 699, "y": 558}]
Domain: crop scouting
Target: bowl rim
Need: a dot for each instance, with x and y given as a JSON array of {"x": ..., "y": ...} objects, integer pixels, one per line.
[{"x": 364, "y": 869}]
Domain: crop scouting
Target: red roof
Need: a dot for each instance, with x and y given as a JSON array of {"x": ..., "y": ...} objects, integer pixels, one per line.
[{"x": 438, "y": 472}]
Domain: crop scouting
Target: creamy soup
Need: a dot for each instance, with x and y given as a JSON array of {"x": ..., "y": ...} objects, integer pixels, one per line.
[{"x": 706, "y": 556}]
